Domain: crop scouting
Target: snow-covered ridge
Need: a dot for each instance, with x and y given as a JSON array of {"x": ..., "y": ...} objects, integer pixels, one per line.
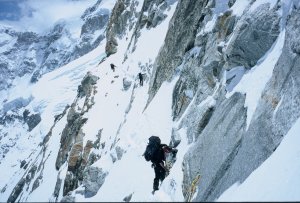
[{"x": 30, "y": 54}]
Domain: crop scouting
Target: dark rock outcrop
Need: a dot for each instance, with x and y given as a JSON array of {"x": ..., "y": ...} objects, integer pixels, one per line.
[
  {"x": 178, "y": 41},
  {"x": 85, "y": 88},
  {"x": 215, "y": 147},
  {"x": 254, "y": 35},
  {"x": 119, "y": 20},
  {"x": 32, "y": 121},
  {"x": 226, "y": 150},
  {"x": 93, "y": 178},
  {"x": 16, "y": 191},
  {"x": 276, "y": 112}
]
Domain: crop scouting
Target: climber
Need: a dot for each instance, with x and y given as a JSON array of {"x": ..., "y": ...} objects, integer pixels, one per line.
[
  {"x": 141, "y": 78},
  {"x": 112, "y": 66},
  {"x": 155, "y": 152}
]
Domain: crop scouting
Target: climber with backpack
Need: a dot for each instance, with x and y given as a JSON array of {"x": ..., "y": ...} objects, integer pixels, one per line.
[{"x": 156, "y": 153}]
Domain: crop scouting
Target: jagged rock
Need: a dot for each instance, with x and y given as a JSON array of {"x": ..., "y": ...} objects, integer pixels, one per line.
[
  {"x": 4, "y": 188},
  {"x": 10, "y": 118},
  {"x": 113, "y": 157},
  {"x": 231, "y": 2},
  {"x": 158, "y": 18},
  {"x": 120, "y": 19},
  {"x": 89, "y": 11},
  {"x": 128, "y": 198},
  {"x": 68, "y": 199},
  {"x": 86, "y": 152},
  {"x": 215, "y": 147},
  {"x": 126, "y": 84},
  {"x": 35, "y": 76},
  {"x": 33, "y": 120},
  {"x": 71, "y": 148},
  {"x": 31, "y": 173},
  {"x": 68, "y": 136},
  {"x": 72, "y": 114},
  {"x": 93, "y": 178},
  {"x": 271, "y": 119},
  {"x": 36, "y": 183},
  {"x": 53, "y": 49},
  {"x": 95, "y": 22},
  {"x": 5, "y": 75},
  {"x": 225, "y": 24},
  {"x": 177, "y": 42},
  {"x": 119, "y": 152},
  {"x": 22, "y": 163},
  {"x": 71, "y": 183},
  {"x": 197, "y": 117},
  {"x": 111, "y": 46},
  {"x": 175, "y": 138},
  {"x": 253, "y": 36},
  {"x": 75, "y": 156},
  {"x": 16, "y": 191},
  {"x": 154, "y": 11},
  {"x": 96, "y": 144},
  {"x": 86, "y": 85},
  {"x": 195, "y": 82},
  {"x": 93, "y": 157},
  {"x": 26, "y": 38},
  {"x": 57, "y": 187}
]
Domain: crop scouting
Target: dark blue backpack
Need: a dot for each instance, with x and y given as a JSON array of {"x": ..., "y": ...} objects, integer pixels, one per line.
[{"x": 152, "y": 148}]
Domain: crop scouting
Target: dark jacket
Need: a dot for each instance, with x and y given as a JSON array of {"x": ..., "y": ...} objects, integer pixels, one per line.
[{"x": 160, "y": 154}]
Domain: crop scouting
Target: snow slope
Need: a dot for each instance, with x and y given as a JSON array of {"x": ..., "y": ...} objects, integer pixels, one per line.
[
  {"x": 127, "y": 122},
  {"x": 113, "y": 113}
]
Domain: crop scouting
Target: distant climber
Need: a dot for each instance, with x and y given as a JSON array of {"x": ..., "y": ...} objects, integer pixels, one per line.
[
  {"x": 141, "y": 78},
  {"x": 112, "y": 66},
  {"x": 156, "y": 153}
]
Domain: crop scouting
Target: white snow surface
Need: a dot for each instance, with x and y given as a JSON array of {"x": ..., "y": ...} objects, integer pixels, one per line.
[
  {"x": 129, "y": 125},
  {"x": 239, "y": 7}
]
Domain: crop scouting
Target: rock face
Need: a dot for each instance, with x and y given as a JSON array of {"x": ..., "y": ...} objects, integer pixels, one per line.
[
  {"x": 17, "y": 190},
  {"x": 277, "y": 111},
  {"x": 93, "y": 178},
  {"x": 216, "y": 146},
  {"x": 72, "y": 149},
  {"x": 224, "y": 149},
  {"x": 95, "y": 20},
  {"x": 32, "y": 121},
  {"x": 255, "y": 34},
  {"x": 178, "y": 40},
  {"x": 87, "y": 82},
  {"x": 120, "y": 19}
]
